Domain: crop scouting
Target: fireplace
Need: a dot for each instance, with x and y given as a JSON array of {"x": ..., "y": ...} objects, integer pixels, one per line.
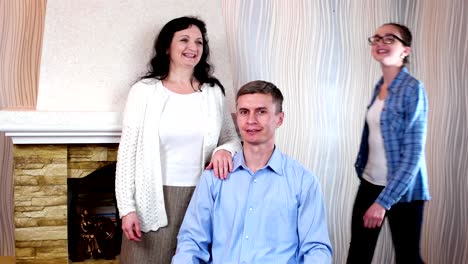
[
  {"x": 49, "y": 150},
  {"x": 42, "y": 216},
  {"x": 94, "y": 226}
]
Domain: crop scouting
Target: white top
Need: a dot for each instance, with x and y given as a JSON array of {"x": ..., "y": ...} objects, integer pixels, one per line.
[
  {"x": 181, "y": 139},
  {"x": 138, "y": 182},
  {"x": 376, "y": 167}
]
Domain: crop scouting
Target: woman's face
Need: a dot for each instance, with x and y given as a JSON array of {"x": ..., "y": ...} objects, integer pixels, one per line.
[
  {"x": 186, "y": 47},
  {"x": 387, "y": 48}
]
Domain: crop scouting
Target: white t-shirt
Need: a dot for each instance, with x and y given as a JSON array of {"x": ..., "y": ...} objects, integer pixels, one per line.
[
  {"x": 181, "y": 139},
  {"x": 376, "y": 167}
]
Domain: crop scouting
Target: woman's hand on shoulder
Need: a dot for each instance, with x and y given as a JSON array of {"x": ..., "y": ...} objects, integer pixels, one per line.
[{"x": 221, "y": 164}]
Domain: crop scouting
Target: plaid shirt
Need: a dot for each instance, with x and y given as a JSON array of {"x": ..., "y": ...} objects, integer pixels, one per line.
[{"x": 404, "y": 126}]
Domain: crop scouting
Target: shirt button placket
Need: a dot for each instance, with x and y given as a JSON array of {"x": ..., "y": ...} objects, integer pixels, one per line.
[{"x": 249, "y": 221}]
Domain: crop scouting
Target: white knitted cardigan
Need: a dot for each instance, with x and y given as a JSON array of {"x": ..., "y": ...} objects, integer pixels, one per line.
[{"x": 138, "y": 184}]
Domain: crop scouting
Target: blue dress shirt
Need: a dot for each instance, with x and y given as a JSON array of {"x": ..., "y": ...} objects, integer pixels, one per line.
[
  {"x": 275, "y": 215},
  {"x": 404, "y": 129}
]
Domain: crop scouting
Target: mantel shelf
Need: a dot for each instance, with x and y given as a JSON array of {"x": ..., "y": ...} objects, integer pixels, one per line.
[{"x": 43, "y": 127}]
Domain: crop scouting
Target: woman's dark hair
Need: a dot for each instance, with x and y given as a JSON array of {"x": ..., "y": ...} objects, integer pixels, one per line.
[
  {"x": 405, "y": 36},
  {"x": 159, "y": 64}
]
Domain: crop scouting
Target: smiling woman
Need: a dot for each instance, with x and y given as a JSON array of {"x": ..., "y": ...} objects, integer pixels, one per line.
[
  {"x": 163, "y": 150},
  {"x": 186, "y": 49}
]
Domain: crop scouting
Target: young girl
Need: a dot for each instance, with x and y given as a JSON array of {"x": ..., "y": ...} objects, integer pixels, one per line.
[{"x": 391, "y": 163}]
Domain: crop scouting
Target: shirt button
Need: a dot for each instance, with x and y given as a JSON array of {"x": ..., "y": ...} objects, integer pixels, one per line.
[
  {"x": 250, "y": 209},
  {"x": 247, "y": 237},
  {"x": 255, "y": 180}
]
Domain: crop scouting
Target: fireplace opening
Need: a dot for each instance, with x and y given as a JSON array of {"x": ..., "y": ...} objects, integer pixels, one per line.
[{"x": 94, "y": 226}]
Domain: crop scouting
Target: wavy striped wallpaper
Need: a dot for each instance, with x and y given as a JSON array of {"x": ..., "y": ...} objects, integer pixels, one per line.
[
  {"x": 21, "y": 27},
  {"x": 316, "y": 52}
]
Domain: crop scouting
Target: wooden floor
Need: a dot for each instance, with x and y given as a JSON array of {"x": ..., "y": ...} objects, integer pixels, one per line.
[
  {"x": 11, "y": 260},
  {"x": 7, "y": 260},
  {"x": 95, "y": 262}
]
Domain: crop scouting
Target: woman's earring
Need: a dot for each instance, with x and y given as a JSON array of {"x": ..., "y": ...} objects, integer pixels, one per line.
[{"x": 402, "y": 56}]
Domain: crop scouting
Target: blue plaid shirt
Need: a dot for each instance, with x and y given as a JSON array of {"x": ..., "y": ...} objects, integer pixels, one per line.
[{"x": 404, "y": 127}]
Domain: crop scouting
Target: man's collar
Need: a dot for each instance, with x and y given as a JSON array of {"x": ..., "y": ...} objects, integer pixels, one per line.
[{"x": 274, "y": 163}]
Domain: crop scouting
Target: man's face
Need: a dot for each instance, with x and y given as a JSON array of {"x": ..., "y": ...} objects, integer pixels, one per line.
[{"x": 257, "y": 118}]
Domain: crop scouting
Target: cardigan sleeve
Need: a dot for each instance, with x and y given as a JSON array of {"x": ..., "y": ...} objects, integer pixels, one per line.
[
  {"x": 228, "y": 138},
  {"x": 126, "y": 157}
]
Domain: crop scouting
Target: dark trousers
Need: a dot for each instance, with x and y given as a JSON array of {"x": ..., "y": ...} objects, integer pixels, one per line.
[{"x": 405, "y": 220}]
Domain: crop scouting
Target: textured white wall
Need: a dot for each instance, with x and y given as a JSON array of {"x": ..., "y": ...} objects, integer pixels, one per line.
[
  {"x": 93, "y": 51},
  {"x": 317, "y": 54}
]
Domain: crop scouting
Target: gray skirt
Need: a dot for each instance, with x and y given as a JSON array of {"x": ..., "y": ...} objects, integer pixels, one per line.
[{"x": 158, "y": 247}]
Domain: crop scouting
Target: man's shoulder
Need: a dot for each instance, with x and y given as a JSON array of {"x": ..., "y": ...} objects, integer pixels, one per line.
[
  {"x": 209, "y": 177},
  {"x": 294, "y": 168},
  {"x": 290, "y": 161}
]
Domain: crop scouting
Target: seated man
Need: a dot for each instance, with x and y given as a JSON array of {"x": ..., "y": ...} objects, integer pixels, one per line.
[{"x": 269, "y": 210}]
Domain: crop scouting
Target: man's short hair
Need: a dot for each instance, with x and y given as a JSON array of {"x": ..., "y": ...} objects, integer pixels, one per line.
[{"x": 263, "y": 87}]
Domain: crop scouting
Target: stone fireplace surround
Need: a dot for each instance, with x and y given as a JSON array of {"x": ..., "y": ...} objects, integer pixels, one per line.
[{"x": 50, "y": 147}]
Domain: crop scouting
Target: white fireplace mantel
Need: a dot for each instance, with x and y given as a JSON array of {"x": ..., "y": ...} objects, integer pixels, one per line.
[{"x": 46, "y": 127}]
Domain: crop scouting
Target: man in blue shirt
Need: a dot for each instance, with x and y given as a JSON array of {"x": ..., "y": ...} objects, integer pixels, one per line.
[{"x": 269, "y": 210}]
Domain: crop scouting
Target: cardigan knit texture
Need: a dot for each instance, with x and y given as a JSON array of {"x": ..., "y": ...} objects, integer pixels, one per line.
[{"x": 138, "y": 184}]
